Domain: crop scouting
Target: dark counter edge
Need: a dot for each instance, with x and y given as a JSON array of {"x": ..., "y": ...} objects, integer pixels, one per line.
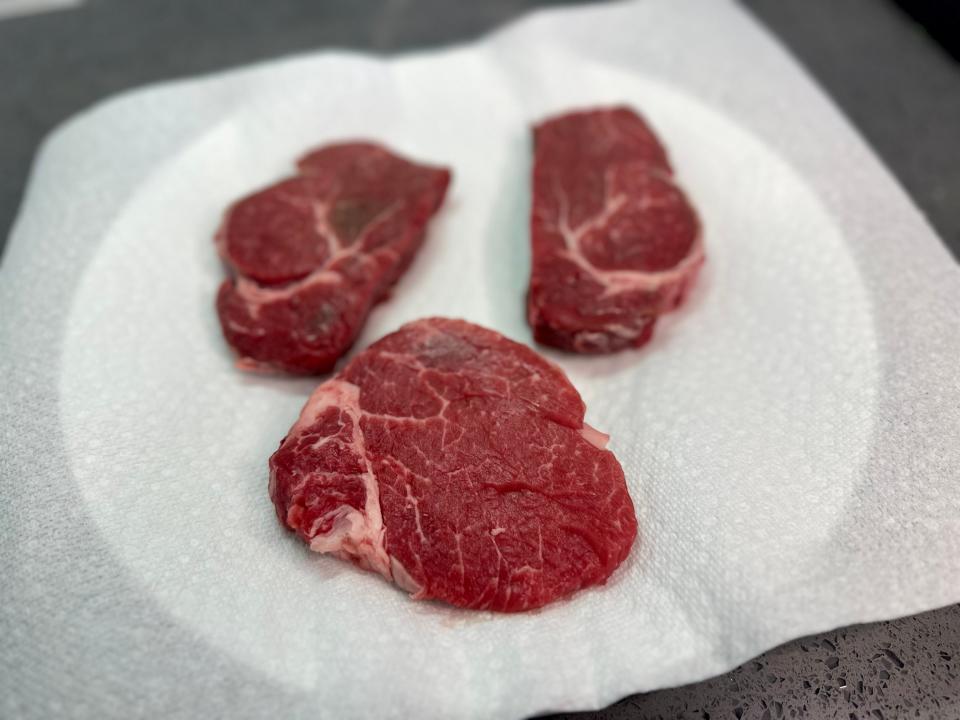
[
  {"x": 898, "y": 86},
  {"x": 894, "y": 82},
  {"x": 909, "y": 667}
]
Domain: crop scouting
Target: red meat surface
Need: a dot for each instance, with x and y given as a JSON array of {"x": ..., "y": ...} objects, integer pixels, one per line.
[
  {"x": 312, "y": 254},
  {"x": 457, "y": 464},
  {"x": 615, "y": 241}
]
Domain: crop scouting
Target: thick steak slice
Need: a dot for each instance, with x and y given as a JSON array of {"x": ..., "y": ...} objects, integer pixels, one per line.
[
  {"x": 456, "y": 463},
  {"x": 615, "y": 242},
  {"x": 312, "y": 254}
]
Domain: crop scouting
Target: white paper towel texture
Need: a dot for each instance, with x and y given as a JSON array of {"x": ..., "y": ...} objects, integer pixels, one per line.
[{"x": 790, "y": 437}]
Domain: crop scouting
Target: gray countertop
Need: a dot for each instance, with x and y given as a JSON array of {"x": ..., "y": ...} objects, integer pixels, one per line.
[{"x": 894, "y": 83}]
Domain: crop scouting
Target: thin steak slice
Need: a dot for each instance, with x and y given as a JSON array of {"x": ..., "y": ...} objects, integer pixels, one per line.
[
  {"x": 456, "y": 463},
  {"x": 615, "y": 242},
  {"x": 312, "y": 254}
]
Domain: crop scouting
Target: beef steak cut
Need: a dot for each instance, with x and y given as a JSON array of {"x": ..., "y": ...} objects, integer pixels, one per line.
[
  {"x": 456, "y": 463},
  {"x": 312, "y": 254},
  {"x": 615, "y": 242}
]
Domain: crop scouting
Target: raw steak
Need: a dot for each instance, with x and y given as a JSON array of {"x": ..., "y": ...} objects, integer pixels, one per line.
[
  {"x": 456, "y": 463},
  {"x": 615, "y": 242},
  {"x": 312, "y": 254}
]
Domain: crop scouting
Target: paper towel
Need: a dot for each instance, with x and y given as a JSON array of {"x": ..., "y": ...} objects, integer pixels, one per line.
[{"x": 789, "y": 437}]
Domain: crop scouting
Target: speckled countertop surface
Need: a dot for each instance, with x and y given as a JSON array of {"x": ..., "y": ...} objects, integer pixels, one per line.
[
  {"x": 895, "y": 84},
  {"x": 907, "y": 668}
]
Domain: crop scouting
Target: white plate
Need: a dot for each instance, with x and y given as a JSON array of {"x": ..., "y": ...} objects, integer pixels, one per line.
[{"x": 745, "y": 428}]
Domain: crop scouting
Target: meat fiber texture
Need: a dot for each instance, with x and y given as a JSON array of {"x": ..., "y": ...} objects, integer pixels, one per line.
[
  {"x": 312, "y": 254},
  {"x": 615, "y": 242},
  {"x": 789, "y": 437},
  {"x": 457, "y": 464}
]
